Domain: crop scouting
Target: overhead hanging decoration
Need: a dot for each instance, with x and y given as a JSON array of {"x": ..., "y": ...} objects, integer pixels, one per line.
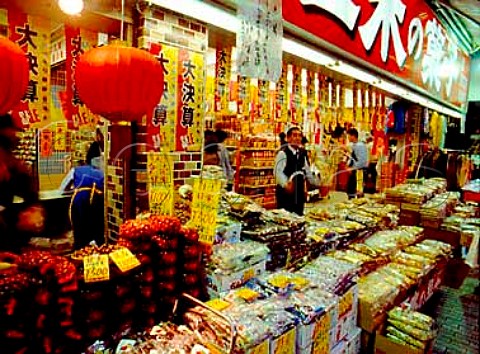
[
  {"x": 14, "y": 73},
  {"x": 259, "y": 40},
  {"x": 119, "y": 83}
]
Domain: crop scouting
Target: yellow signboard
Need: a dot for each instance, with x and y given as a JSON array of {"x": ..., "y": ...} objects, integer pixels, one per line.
[
  {"x": 96, "y": 268},
  {"x": 160, "y": 183},
  {"x": 124, "y": 259},
  {"x": 206, "y": 197}
]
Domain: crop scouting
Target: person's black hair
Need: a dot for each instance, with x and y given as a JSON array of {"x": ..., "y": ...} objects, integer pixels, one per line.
[
  {"x": 338, "y": 132},
  {"x": 211, "y": 142},
  {"x": 221, "y": 135},
  {"x": 353, "y": 132},
  {"x": 304, "y": 140},
  {"x": 291, "y": 130}
]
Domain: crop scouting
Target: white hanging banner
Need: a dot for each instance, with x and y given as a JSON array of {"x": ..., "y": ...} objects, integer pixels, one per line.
[{"x": 259, "y": 40}]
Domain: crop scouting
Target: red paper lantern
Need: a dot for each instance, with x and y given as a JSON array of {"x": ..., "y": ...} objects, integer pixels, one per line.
[
  {"x": 118, "y": 82},
  {"x": 13, "y": 74}
]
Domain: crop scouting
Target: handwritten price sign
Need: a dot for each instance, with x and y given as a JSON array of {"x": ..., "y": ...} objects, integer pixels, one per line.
[
  {"x": 124, "y": 259},
  {"x": 96, "y": 268}
]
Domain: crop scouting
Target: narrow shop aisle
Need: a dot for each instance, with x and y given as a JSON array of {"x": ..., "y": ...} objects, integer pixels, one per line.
[{"x": 457, "y": 314}]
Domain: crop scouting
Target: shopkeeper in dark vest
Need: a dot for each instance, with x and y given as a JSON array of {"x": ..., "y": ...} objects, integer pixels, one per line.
[{"x": 291, "y": 172}]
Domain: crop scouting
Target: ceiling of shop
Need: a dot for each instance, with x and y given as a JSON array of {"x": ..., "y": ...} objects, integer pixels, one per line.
[{"x": 462, "y": 19}]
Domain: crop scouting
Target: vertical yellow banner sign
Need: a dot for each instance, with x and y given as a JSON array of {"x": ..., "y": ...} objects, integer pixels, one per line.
[
  {"x": 160, "y": 183},
  {"x": 296, "y": 102},
  {"x": 223, "y": 72},
  {"x": 282, "y": 95},
  {"x": 263, "y": 110},
  {"x": 196, "y": 131},
  {"x": 206, "y": 198},
  {"x": 161, "y": 127},
  {"x": 60, "y": 143}
]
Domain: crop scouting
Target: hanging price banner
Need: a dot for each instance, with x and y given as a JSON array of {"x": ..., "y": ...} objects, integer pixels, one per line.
[
  {"x": 124, "y": 259},
  {"x": 96, "y": 268}
]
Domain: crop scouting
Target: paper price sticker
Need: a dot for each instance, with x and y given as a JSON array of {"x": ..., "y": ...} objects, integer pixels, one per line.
[
  {"x": 346, "y": 303},
  {"x": 262, "y": 348},
  {"x": 247, "y": 294},
  {"x": 96, "y": 268},
  {"x": 218, "y": 304},
  {"x": 286, "y": 343},
  {"x": 124, "y": 259}
]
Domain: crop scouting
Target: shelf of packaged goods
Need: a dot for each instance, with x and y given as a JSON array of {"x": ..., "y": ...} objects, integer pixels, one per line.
[
  {"x": 256, "y": 168},
  {"x": 257, "y": 149},
  {"x": 247, "y": 186}
]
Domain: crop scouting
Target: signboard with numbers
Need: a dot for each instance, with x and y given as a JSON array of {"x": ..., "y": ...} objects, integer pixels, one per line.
[
  {"x": 190, "y": 98},
  {"x": 124, "y": 259},
  {"x": 206, "y": 198},
  {"x": 401, "y": 37},
  {"x": 33, "y": 36},
  {"x": 161, "y": 191},
  {"x": 96, "y": 268}
]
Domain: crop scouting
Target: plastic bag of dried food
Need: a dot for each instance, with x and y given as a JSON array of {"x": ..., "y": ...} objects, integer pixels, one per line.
[
  {"x": 405, "y": 337},
  {"x": 415, "y": 332},
  {"x": 412, "y": 318}
]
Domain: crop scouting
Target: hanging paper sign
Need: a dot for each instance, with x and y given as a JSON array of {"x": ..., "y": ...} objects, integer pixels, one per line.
[
  {"x": 296, "y": 97},
  {"x": 160, "y": 183},
  {"x": 244, "y": 95},
  {"x": 263, "y": 106},
  {"x": 259, "y": 39},
  {"x": 76, "y": 113},
  {"x": 282, "y": 96},
  {"x": 124, "y": 259},
  {"x": 190, "y": 81},
  {"x": 46, "y": 143},
  {"x": 96, "y": 268},
  {"x": 60, "y": 143},
  {"x": 161, "y": 125},
  {"x": 33, "y": 36},
  {"x": 206, "y": 198},
  {"x": 223, "y": 72}
]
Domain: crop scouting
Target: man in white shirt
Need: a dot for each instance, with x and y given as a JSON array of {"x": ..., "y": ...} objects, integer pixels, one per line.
[
  {"x": 358, "y": 161},
  {"x": 291, "y": 170}
]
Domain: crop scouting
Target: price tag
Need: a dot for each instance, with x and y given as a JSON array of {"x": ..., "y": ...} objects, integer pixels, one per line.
[
  {"x": 95, "y": 268},
  {"x": 248, "y": 274},
  {"x": 286, "y": 343},
  {"x": 280, "y": 281},
  {"x": 321, "y": 335},
  {"x": 247, "y": 294},
  {"x": 299, "y": 282},
  {"x": 218, "y": 304},
  {"x": 124, "y": 259},
  {"x": 346, "y": 303},
  {"x": 262, "y": 348}
]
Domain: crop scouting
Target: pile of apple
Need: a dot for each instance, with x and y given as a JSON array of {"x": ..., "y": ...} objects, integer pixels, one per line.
[{"x": 172, "y": 259}]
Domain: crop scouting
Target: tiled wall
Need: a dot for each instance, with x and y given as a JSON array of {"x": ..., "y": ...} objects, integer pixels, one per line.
[{"x": 115, "y": 197}]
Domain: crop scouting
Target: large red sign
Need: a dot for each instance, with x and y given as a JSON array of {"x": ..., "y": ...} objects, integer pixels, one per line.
[{"x": 402, "y": 37}]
